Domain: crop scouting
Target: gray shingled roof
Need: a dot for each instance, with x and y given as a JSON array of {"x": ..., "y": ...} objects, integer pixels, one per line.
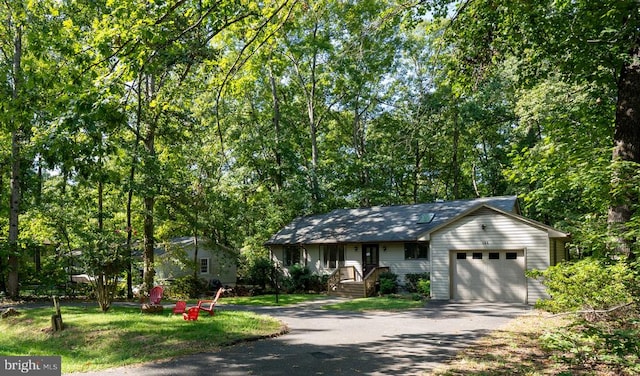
[{"x": 381, "y": 223}]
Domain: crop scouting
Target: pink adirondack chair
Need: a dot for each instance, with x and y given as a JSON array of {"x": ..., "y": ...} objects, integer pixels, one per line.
[
  {"x": 155, "y": 295},
  {"x": 181, "y": 307},
  {"x": 191, "y": 314}
]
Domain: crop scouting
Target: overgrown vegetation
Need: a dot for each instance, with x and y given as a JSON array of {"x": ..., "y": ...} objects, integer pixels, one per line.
[
  {"x": 588, "y": 284},
  {"x": 599, "y": 295},
  {"x": 592, "y": 328}
]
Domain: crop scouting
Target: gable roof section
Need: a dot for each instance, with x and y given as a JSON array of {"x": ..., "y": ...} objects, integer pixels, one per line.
[
  {"x": 383, "y": 223},
  {"x": 551, "y": 232}
]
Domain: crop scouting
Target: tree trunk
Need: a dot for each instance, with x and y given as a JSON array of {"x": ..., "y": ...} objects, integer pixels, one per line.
[
  {"x": 359, "y": 144},
  {"x": 313, "y": 126},
  {"x": 455, "y": 164},
  {"x": 132, "y": 173},
  {"x": 149, "y": 199},
  {"x": 13, "y": 287},
  {"x": 195, "y": 251},
  {"x": 276, "y": 125},
  {"x": 417, "y": 166},
  {"x": 148, "y": 271},
  {"x": 626, "y": 154},
  {"x": 129, "y": 239}
]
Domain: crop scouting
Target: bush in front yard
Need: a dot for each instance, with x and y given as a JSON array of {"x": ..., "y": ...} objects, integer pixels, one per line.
[
  {"x": 418, "y": 282},
  {"x": 187, "y": 287},
  {"x": 605, "y": 329},
  {"x": 300, "y": 278},
  {"x": 424, "y": 287},
  {"x": 318, "y": 283},
  {"x": 585, "y": 284},
  {"x": 388, "y": 283}
]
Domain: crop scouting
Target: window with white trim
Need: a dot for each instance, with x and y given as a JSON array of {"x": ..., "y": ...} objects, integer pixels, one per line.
[
  {"x": 292, "y": 255},
  {"x": 204, "y": 266},
  {"x": 416, "y": 251},
  {"x": 333, "y": 255}
]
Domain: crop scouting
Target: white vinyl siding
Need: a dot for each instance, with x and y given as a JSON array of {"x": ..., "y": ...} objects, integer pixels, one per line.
[
  {"x": 558, "y": 252},
  {"x": 393, "y": 257},
  {"x": 487, "y": 230}
]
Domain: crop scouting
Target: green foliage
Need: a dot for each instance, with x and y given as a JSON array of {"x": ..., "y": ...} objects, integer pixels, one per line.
[
  {"x": 415, "y": 282},
  {"x": 615, "y": 342},
  {"x": 104, "y": 260},
  {"x": 51, "y": 278},
  {"x": 588, "y": 284},
  {"x": 187, "y": 286},
  {"x": 301, "y": 280},
  {"x": 424, "y": 287},
  {"x": 263, "y": 272},
  {"x": 388, "y": 283}
]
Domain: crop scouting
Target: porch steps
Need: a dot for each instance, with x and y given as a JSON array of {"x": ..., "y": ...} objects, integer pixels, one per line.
[{"x": 349, "y": 290}]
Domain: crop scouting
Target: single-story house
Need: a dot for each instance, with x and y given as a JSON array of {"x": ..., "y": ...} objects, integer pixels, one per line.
[
  {"x": 476, "y": 249},
  {"x": 177, "y": 258}
]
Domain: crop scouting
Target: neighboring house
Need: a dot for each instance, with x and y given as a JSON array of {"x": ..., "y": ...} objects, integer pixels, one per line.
[
  {"x": 473, "y": 249},
  {"x": 176, "y": 259}
]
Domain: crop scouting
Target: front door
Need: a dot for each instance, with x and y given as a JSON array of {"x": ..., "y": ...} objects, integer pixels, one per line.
[{"x": 370, "y": 258}]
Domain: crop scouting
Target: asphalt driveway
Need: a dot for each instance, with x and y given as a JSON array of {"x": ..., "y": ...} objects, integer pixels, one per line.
[{"x": 324, "y": 342}]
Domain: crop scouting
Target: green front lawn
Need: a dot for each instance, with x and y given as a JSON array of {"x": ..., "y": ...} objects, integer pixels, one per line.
[
  {"x": 94, "y": 340},
  {"x": 270, "y": 299},
  {"x": 384, "y": 303}
]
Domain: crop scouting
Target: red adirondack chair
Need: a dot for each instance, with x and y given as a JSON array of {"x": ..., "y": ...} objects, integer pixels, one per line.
[
  {"x": 180, "y": 307},
  {"x": 208, "y": 305},
  {"x": 155, "y": 295},
  {"x": 191, "y": 314}
]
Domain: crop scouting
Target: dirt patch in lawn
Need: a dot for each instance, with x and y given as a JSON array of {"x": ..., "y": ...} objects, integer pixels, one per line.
[{"x": 516, "y": 349}]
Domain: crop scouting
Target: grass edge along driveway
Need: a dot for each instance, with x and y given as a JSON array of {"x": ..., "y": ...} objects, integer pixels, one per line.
[{"x": 93, "y": 340}]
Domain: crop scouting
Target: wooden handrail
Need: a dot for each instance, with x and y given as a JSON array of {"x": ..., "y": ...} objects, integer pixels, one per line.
[
  {"x": 351, "y": 273},
  {"x": 342, "y": 273},
  {"x": 334, "y": 280},
  {"x": 371, "y": 278}
]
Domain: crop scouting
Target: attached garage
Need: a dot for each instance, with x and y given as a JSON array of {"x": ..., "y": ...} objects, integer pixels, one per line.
[
  {"x": 483, "y": 255},
  {"x": 489, "y": 275}
]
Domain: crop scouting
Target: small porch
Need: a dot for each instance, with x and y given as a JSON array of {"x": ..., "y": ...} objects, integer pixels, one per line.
[{"x": 347, "y": 282}]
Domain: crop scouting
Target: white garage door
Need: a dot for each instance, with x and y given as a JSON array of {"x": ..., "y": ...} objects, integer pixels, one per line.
[{"x": 493, "y": 276}]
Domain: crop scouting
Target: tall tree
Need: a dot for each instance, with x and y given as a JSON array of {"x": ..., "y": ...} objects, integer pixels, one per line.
[
  {"x": 28, "y": 58},
  {"x": 14, "y": 21},
  {"x": 593, "y": 45}
]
